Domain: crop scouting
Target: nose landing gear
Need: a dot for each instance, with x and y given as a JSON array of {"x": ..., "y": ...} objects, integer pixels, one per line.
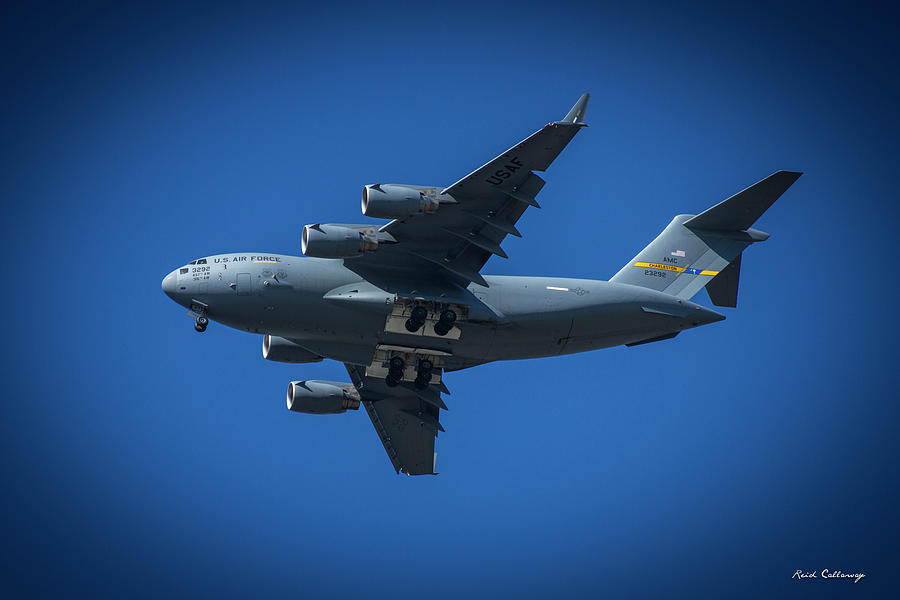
[{"x": 198, "y": 311}]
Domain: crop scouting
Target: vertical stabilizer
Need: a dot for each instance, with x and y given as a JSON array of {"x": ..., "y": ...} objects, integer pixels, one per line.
[{"x": 695, "y": 250}]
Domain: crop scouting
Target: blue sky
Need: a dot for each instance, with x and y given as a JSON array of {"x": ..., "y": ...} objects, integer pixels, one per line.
[{"x": 142, "y": 459}]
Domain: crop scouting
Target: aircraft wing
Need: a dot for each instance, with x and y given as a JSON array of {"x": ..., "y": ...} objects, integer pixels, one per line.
[
  {"x": 477, "y": 212},
  {"x": 406, "y": 420}
]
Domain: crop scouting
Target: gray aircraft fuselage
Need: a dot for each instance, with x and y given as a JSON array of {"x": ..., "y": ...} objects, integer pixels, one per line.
[{"x": 326, "y": 307}]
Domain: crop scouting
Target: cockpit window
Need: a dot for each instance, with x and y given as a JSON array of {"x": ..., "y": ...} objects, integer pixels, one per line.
[
  {"x": 193, "y": 262},
  {"x": 202, "y": 261}
]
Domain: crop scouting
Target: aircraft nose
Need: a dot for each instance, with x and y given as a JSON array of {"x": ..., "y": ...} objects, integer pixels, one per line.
[{"x": 169, "y": 283}]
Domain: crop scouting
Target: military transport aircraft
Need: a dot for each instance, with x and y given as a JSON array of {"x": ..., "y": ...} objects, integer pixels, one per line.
[{"x": 403, "y": 303}]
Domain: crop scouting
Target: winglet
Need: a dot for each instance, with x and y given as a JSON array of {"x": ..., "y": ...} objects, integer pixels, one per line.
[{"x": 576, "y": 115}]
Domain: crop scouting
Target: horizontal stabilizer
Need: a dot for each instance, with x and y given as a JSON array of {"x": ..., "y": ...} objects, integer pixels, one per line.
[
  {"x": 723, "y": 288},
  {"x": 742, "y": 210}
]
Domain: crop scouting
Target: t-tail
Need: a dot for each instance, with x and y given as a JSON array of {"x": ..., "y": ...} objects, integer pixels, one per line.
[{"x": 705, "y": 250}]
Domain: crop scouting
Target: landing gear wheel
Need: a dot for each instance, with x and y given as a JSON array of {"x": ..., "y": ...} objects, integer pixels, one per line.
[
  {"x": 416, "y": 319},
  {"x": 395, "y": 371},
  {"x": 423, "y": 375},
  {"x": 445, "y": 323},
  {"x": 201, "y": 323},
  {"x": 199, "y": 327}
]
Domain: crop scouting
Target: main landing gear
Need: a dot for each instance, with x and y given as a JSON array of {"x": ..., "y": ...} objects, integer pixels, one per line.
[
  {"x": 416, "y": 319},
  {"x": 423, "y": 374},
  {"x": 419, "y": 314},
  {"x": 397, "y": 365},
  {"x": 445, "y": 323},
  {"x": 395, "y": 371}
]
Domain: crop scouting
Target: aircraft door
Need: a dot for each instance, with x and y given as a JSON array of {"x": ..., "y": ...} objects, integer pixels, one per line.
[{"x": 243, "y": 284}]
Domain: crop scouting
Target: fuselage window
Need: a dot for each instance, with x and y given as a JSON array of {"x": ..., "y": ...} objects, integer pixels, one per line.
[{"x": 183, "y": 270}]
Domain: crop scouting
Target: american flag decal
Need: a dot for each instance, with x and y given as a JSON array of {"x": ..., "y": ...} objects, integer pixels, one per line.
[{"x": 678, "y": 253}]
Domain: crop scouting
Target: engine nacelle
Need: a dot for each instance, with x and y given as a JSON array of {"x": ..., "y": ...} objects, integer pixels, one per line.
[
  {"x": 282, "y": 350},
  {"x": 335, "y": 241},
  {"x": 321, "y": 397},
  {"x": 390, "y": 201}
]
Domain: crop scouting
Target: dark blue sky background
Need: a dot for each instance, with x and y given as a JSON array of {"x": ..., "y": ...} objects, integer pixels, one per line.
[{"x": 142, "y": 459}]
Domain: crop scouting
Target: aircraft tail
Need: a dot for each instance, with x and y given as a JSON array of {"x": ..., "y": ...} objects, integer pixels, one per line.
[{"x": 705, "y": 250}]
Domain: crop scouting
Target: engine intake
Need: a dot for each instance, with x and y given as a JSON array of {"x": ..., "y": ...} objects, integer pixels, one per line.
[
  {"x": 282, "y": 350},
  {"x": 321, "y": 397},
  {"x": 389, "y": 201},
  {"x": 335, "y": 241}
]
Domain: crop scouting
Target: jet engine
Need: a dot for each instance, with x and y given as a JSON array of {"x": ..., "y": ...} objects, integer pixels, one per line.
[
  {"x": 321, "y": 397},
  {"x": 390, "y": 201},
  {"x": 335, "y": 241},
  {"x": 282, "y": 350}
]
